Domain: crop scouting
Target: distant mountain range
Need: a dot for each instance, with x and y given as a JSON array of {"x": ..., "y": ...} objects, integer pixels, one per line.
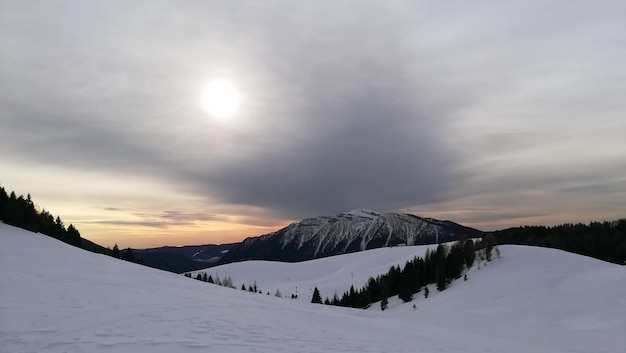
[
  {"x": 182, "y": 258},
  {"x": 342, "y": 233},
  {"x": 311, "y": 238}
]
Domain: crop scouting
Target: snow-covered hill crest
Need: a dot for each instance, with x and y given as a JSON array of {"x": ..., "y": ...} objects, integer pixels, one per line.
[
  {"x": 357, "y": 230},
  {"x": 62, "y": 299}
]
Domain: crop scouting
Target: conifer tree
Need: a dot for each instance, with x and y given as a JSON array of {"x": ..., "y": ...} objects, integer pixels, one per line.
[
  {"x": 115, "y": 252},
  {"x": 228, "y": 282},
  {"x": 490, "y": 242},
  {"x": 128, "y": 254},
  {"x": 73, "y": 236},
  {"x": 384, "y": 304},
  {"x": 469, "y": 253},
  {"x": 317, "y": 298},
  {"x": 440, "y": 267}
]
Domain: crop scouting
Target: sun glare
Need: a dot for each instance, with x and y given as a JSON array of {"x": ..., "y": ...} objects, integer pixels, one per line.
[{"x": 221, "y": 99}]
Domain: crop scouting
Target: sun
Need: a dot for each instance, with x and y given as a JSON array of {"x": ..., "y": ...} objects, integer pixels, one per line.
[{"x": 221, "y": 99}]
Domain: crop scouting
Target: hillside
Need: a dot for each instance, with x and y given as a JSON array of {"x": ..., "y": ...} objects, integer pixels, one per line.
[
  {"x": 60, "y": 298},
  {"x": 330, "y": 275},
  {"x": 182, "y": 258}
]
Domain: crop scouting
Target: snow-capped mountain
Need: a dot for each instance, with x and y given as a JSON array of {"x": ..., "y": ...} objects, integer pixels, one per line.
[{"x": 342, "y": 233}]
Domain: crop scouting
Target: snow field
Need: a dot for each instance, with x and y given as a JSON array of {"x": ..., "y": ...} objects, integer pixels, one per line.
[
  {"x": 56, "y": 298},
  {"x": 330, "y": 275}
]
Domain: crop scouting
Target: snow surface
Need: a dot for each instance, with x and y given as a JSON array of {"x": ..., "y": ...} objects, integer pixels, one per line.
[
  {"x": 56, "y": 298},
  {"x": 330, "y": 275},
  {"x": 364, "y": 212}
]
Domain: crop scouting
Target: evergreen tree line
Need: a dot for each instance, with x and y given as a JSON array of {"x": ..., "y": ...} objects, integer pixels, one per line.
[
  {"x": 228, "y": 282},
  {"x": 20, "y": 211},
  {"x": 601, "y": 240},
  {"x": 439, "y": 267},
  {"x": 126, "y": 255}
]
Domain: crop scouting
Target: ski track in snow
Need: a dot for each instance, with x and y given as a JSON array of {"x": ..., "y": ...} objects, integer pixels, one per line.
[{"x": 56, "y": 298}]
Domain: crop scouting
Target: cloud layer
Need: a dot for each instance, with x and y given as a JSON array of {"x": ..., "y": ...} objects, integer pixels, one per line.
[{"x": 419, "y": 106}]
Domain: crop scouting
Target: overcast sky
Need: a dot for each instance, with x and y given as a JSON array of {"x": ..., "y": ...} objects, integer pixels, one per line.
[{"x": 490, "y": 113}]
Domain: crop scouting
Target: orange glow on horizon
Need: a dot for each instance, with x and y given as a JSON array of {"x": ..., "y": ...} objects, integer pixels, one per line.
[{"x": 140, "y": 237}]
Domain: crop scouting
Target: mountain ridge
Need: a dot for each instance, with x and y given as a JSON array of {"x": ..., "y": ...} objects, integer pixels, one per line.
[{"x": 341, "y": 233}]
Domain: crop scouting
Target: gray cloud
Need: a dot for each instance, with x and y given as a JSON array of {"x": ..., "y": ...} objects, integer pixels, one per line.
[
  {"x": 111, "y": 208},
  {"x": 163, "y": 219},
  {"x": 151, "y": 224},
  {"x": 372, "y": 148},
  {"x": 180, "y": 217},
  {"x": 369, "y": 104}
]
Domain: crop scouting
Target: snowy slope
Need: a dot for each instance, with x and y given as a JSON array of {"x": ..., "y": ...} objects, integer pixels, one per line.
[
  {"x": 330, "y": 275},
  {"x": 546, "y": 294},
  {"x": 63, "y": 299},
  {"x": 539, "y": 295}
]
